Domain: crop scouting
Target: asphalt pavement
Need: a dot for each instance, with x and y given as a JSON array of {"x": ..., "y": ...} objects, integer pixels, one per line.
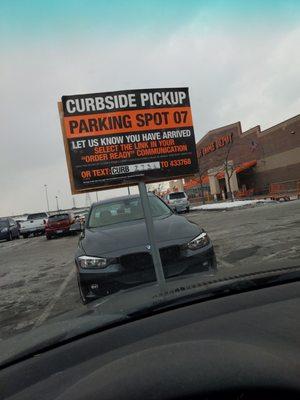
[{"x": 38, "y": 281}]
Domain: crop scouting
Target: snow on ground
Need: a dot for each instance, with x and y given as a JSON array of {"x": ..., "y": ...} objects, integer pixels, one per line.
[{"x": 228, "y": 204}]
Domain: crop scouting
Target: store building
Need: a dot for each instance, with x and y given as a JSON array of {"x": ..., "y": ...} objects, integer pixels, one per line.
[{"x": 247, "y": 163}]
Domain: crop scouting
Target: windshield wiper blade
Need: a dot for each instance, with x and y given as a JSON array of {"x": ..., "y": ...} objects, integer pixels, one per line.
[{"x": 220, "y": 288}]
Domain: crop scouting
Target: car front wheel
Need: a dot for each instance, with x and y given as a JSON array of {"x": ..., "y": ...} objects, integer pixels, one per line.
[{"x": 10, "y": 237}]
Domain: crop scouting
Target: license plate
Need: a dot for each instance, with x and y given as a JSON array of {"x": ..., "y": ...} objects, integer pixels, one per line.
[{"x": 59, "y": 231}]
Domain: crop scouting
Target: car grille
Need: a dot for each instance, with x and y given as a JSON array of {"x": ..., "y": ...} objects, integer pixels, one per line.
[{"x": 138, "y": 261}]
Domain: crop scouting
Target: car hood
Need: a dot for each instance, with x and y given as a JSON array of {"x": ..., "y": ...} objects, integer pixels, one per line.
[{"x": 132, "y": 235}]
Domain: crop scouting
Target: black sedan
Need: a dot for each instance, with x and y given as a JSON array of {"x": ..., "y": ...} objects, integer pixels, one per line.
[
  {"x": 9, "y": 229},
  {"x": 114, "y": 253}
]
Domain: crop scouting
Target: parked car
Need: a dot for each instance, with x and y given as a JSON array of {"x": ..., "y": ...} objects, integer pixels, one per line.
[
  {"x": 9, "y": 229},
  {"x": 62, "y": 224},
  {"x": 178, "y": 201},
  {"x": 114, "y": 253},
  {"x": 35, "y": 224}
]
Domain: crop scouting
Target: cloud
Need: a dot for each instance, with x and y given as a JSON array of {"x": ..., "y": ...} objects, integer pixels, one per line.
[{"x": 232, "y": 76}]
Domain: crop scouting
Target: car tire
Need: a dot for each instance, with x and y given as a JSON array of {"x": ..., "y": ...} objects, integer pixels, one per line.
[
  {"x": 48, "y": 237},
  {"x": 25, "y": 235},
  {"x": 188, "y": 209},
  {"x": 10, "y": 237}
]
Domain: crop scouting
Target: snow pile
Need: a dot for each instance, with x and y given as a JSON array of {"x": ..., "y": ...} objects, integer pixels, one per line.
[{"x": 228, "y": 204}]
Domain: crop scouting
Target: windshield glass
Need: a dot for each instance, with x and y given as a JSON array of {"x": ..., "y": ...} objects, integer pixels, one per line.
[
  {"x": 178, "y": 195},
  {"x": 125, "y": 210},
  {"x": 37, "y": 216},
  {"x": 170, "y": 129},
  {"x": 60, "y": 217},
  {"x": 3, "y": 223}
]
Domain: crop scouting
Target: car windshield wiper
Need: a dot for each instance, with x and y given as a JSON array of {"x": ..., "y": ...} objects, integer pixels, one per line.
[{"x": 219, "y": 288}]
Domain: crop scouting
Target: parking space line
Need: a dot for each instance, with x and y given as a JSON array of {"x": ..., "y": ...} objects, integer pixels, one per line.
[{"x": 45, "y": 314}]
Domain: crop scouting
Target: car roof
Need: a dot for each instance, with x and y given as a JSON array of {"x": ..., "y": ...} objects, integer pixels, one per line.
[{"x": 119, "y": 198}]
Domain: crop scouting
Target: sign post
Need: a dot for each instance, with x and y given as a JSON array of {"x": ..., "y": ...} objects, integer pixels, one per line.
[
  {"x": 151, "y": 236},
  {"x": 129, "y": 137}
]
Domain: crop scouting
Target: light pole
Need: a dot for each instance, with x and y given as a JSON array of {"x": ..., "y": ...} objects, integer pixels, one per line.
[
  {"x": 97, "y": 196},
  {"x": 56, "y": 197},
  {"x": 128, "y": 188},
  {"x": 46, "y": 192}
]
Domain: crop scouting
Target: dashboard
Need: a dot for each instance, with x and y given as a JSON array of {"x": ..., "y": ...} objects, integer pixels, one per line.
[{"x": 241, "y": 346}]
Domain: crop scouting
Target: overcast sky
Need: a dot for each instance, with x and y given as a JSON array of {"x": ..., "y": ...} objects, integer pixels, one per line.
[{"x": 240, "y": 60}]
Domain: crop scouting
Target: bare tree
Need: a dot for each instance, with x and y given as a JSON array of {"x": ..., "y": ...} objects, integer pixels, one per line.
[
  {"x": 202, "y": 173},
  {"x": 229, "y": 169}
]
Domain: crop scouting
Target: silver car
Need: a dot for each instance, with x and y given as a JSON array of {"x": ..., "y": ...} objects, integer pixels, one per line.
[{"x": 178, "y": 201}]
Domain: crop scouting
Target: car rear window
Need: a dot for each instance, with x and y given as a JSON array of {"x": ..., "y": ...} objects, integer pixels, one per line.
[
  {"x": 37, "y": 216},
  {"x": 177, "y": 195},
  {"x": 60, "y": 217}
]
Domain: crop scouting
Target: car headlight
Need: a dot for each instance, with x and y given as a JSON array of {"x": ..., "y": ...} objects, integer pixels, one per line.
[
  {"x": 93, "y": 262},
  {"x": 199, "y": 241},
  {"x": 3, "y": 230}
]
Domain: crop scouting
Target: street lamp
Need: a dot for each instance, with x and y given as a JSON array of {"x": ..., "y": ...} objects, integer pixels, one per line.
[
  {"x": 56, "y": 197},
  {"x": 128, "y": 188},
  {"x": 46, "y": 192}
]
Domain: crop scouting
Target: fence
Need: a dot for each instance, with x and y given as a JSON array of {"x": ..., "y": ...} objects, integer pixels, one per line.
[{"x": 285, "y": 190}]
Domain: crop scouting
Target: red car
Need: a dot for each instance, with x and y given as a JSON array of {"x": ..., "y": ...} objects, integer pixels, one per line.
[{"x": 62, "y": 224}]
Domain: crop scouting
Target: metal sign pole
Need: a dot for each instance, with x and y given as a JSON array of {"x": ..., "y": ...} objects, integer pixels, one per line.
[{"x": 150, "y": 229}]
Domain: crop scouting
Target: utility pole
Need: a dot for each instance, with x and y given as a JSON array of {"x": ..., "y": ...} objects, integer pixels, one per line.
[
  {"x": 88, "y": 201},
  {"x": 46, "y": 192}
]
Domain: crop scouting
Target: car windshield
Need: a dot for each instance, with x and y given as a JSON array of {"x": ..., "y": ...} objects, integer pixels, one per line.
[
  {"x": 3, "y": 223},
  {"x": 56, "y": 218},
  {"x": 37, "y": 216},
  {"x": 125, "y": 210},
  {"x": 171, "y": 129},
  {"x": 178, "y": 195}
]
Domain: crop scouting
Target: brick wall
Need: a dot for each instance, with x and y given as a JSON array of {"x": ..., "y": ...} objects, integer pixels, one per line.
[{"x": 255, "y": 144}]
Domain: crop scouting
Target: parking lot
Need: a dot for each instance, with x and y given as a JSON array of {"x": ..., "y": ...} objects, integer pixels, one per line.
[{"x": 38, "y": 281}]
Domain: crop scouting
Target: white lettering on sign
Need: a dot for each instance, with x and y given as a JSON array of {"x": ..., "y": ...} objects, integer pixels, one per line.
[
  {"x": 125, "y": 169},
  {"x": 99, "y": 103},
  {"x": 162, "y": 98}
]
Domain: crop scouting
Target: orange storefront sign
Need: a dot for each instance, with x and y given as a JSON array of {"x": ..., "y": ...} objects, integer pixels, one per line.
[{"x": 216, "y": 144}]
